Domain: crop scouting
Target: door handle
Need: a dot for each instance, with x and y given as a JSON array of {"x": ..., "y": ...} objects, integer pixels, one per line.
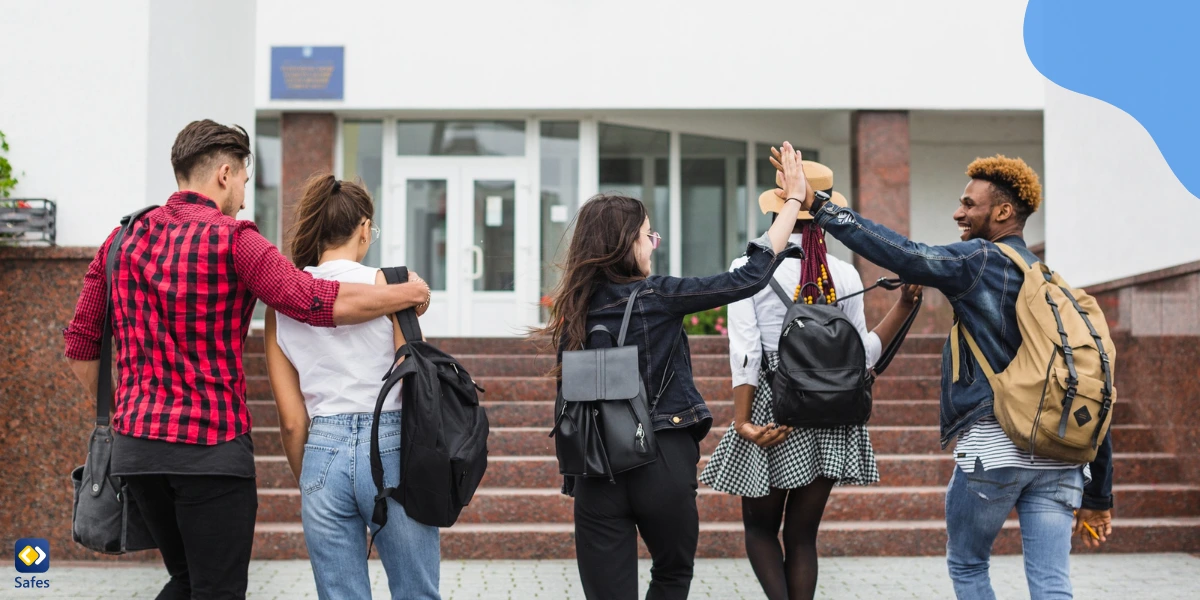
[{"x": 476, "y": 262}]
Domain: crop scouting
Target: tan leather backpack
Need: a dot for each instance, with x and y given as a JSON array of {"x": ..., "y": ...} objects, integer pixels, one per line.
[{"x": 1055, "y": 398}]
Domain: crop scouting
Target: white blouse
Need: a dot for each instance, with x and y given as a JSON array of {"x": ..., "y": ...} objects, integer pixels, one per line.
[
  {"x": 341, "y": 368},
  {"x": 756, "y": 322}
]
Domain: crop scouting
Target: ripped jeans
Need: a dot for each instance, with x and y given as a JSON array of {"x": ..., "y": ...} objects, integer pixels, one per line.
[{"x": 977, "y": 504}]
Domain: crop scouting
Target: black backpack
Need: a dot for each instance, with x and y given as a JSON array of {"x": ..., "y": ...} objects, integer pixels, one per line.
[
  {"x": 443, "y": 434},
  {"x": 823, "y": 379},
  {"x": 602, "y": 423}
]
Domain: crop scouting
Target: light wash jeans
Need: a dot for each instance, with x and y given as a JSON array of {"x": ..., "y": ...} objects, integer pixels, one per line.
[
  {"x": 338, "y": 498},
  {"x": 977, "y": 504}
]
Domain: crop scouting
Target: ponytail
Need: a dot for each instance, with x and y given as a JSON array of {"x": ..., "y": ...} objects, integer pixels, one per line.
[
  {"x": 814, "y": 268},
  {"x": 328, "y": 213}
]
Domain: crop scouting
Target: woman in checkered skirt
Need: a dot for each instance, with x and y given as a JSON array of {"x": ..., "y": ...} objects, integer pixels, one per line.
[{"x": 780, "y": 471}]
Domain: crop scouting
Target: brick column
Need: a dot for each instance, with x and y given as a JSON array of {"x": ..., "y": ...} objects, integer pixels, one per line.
[
  {"x": 308, "y": 141},
  {"x": 879, "y": 155}
]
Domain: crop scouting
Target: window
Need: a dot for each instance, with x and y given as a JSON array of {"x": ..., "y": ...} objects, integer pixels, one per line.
[
  {"x": 635, "y": 162},
  {"x": 460, "y": 138},
  {"x": 713, "y": 179},
  {"x": 268, "y": 164},
  {"x": 362, "y": 160},
  {"x": 268, "y": 167}
]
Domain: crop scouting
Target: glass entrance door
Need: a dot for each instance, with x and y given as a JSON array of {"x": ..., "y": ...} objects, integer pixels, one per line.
[{"x": 469, "y": 231}]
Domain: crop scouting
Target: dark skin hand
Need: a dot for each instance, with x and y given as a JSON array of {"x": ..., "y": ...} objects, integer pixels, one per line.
[
  {"x": 764, "y": 435},
  {"x": 1099, "y": 520}
]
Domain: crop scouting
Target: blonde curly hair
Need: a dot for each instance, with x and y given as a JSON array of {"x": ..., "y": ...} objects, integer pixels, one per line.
[{"x": 1012, "y": 178}]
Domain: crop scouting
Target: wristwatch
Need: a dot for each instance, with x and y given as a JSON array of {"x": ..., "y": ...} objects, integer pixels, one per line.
[{"x": 819, "y": 200}]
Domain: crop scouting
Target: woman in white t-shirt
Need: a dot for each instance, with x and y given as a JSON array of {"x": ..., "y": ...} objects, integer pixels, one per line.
[{"x": 326, "y": 382}]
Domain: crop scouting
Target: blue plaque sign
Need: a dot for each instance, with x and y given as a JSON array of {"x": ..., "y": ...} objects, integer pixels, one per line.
[{"x": 307, "y": 72}]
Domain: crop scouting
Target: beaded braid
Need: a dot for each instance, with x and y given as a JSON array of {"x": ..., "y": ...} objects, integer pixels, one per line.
[{"x": 815, "y": 266}]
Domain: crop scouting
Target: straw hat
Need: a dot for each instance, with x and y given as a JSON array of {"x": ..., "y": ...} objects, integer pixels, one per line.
[{"x": 819, "y": 176}]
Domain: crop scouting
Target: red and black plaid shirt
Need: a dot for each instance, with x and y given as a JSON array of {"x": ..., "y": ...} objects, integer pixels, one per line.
[{"x": 184, "y": 289}]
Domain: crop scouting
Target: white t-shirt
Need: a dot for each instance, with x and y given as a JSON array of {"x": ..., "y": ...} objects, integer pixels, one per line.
[
  {"x": 756, "y": 322},
  {"x": 341, "y": 368}
]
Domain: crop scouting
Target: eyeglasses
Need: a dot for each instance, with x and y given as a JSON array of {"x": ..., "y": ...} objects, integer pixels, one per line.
[
  {"x": 249, "y": 163},
  {"x": 374, "y": 232},
  {"x": 655, "y": 239}
]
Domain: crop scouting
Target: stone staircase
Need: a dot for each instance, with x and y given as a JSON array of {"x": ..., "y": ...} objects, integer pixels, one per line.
[{"x": 518, "y": 512}]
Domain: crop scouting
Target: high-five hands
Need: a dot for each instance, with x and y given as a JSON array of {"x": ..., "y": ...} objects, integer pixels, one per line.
[{"x": 789, "y": 175}]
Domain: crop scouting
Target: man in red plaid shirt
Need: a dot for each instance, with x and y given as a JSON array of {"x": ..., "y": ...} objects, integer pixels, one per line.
[{"x": 185, "y": 282}]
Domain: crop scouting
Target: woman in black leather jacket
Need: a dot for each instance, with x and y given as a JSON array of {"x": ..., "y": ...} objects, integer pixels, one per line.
[{"x": 609, "y": 255}]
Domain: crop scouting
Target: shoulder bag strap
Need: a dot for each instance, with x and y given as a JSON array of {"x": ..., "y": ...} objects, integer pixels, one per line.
[
  {"x": 104, "y": 386},
  {"x": 893, "y": 347},
  {"x": 407, "y": 318}
]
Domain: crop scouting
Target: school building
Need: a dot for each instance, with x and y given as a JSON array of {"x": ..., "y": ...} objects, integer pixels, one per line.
[{"x": 480, "y": 127}]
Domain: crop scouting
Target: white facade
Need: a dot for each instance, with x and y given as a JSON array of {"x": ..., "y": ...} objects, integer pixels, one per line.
[
  {"x": 673, "y": 54},
  {"x": 93, "y": 95},
  {"x": 1113, "y": 206}
]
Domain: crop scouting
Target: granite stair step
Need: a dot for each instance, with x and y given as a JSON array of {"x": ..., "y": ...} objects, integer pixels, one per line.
[
  {"x": 703, "y": 365},
  {"x": 539, "y": 413},
  {"x": 726, "y": 539},
  {"x": 886, "y": 439},
  {"x": 851, "y": 503},
  {"x": 915, "y": 343},
  {"x": 507, "y": 389},
  {"x": 894, "y": 470}
]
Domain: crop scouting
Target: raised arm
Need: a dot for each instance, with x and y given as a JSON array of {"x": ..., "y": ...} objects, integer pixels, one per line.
[{"x": 953, "y": 268}]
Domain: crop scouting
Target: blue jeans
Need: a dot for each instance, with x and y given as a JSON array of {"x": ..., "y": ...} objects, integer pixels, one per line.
[
  {"x": 338, "y": 498},
  {"x": 977, "y": 504}
]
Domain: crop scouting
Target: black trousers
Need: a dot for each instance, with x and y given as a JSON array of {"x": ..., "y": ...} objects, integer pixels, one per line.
[
  {"x": 204, "y": 527},
  {"x": 659, "y": 500}
]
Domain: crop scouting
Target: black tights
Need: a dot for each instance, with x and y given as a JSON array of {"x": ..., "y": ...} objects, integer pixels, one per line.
[{"x": 790, "y": 574}]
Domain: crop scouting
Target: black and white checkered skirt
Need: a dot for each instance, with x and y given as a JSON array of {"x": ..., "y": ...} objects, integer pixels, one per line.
[{"x": 740, "y": 467}]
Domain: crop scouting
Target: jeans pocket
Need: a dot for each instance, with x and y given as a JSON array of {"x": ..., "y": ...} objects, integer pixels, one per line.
[
  {"x": 1069, "y": 492},
  {"x": 994, "y": 486},
  {"x": 315, "y": 467}
]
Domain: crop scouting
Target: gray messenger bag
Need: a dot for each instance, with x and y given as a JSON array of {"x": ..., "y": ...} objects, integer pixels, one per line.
[{"x": 105, "y": 517}]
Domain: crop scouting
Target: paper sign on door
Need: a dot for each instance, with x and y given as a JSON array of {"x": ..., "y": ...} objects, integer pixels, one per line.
[
  {"x": 494, "y": 216},
  {"x": 558, "y": 213}
]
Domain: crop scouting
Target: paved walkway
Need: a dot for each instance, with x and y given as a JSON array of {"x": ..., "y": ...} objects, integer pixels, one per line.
[{"x": 1159, "y": 576}]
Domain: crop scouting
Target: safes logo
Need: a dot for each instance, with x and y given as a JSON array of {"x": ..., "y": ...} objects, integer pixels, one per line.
[{"x": 33, "y": 555}]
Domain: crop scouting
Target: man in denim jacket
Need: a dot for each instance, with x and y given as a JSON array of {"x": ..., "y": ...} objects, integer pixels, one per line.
[{"x": 992, "y": 475}]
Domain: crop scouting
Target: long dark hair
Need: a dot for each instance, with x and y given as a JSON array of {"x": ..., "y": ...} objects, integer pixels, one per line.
[
  {"x": 606, "y": 229},
  {"x": 328, "y": 213}
]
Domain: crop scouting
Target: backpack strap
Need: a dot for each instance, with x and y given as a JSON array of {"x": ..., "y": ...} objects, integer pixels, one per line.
[
  {"x": 628, "y": 314},
  {"x": 104, "y": 391},
  {"x": 975, "y": 351},
  {"x": 1105, "y": 367},
  {"x": 779, "y": 291},
  {"x": 407, "y": 318}
]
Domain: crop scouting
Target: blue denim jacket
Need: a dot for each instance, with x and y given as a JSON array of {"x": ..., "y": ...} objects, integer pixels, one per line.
[
  {"x": 656, "y": 327},
  {"x": 982, "y": 285}
]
